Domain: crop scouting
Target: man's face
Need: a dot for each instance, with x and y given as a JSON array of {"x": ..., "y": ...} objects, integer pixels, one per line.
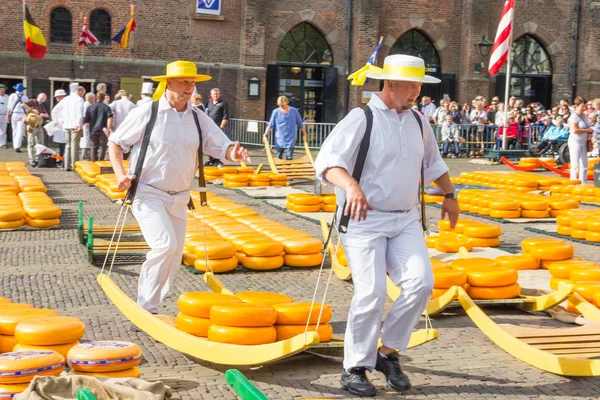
[
  {"x": 561, "y": 103},
  {"x": 183, "y": 88},
  {"x": 216, "y": 95},
  {"x": 59, "y": 98},
  {"x": 596, "y": 106},
  {"x": 426, "y": 100},
  {"x": 2, "y": 91},
  {"x": 92, "y": 100},
  {"x": 41, "y": 98},
  {"x": 404, "y": 94}
]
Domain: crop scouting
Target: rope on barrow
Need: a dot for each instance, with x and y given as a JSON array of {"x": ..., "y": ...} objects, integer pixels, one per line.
[{"x": 123, "y": 206}]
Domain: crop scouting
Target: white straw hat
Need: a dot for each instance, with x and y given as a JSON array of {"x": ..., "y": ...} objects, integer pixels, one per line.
[
  {"x": 59, "y": 92},
  {"x": 400, "y": 67},
  {"x": 147, "y": 88}
]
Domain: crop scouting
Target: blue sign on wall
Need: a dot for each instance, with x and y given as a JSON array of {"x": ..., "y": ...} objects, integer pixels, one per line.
[{"x": 212, "y": 7}]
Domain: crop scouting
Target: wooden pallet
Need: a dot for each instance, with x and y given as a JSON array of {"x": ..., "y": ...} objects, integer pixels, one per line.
[{"x": 302, "y": 168}]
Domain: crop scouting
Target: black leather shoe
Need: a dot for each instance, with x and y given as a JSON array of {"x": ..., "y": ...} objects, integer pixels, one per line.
[
  {"x": 355, "y": 381},
  {"x": 209, "y": 163},
  {"x": 17, "y": 150},
  {"x": 390, "y": 367}
]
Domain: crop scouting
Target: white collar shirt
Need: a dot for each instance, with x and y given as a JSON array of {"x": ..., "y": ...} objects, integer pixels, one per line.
[
  {"x": 72, "y": 111},
  {"x": 143, "y": 101},
  {"x": 429, "y": 110},
  {"x": 172, "y": 155},
  {"x": 14, "y": 107},
  {"x": 122, "y": 108},
  {"x": 391, "y": 175},
  {"x": 3, "y": 105}
]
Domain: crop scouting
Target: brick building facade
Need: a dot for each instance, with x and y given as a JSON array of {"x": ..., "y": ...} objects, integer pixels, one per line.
[{"x": 245, "y": 42}]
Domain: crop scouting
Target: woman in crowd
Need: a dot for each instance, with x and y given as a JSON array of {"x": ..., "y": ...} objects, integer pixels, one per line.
[{"x": 580, "y": 132}]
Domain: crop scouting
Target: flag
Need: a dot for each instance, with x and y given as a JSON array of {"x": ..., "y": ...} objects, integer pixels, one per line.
[
  {"x": 502, "y": 43},
  {"x": 123, "y": 36},
  {"x": 359, "y": 77},
  {"x": 87, "y": 37},
  {"x": 35, "y": 44}
]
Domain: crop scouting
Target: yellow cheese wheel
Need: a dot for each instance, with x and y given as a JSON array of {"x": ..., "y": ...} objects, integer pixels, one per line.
[
  {"x": 505, "y": 214},
  {"x": 563, "y": 204},
  {"x": 592, "y": 236},
  {"x": 7, "y": 343},
  {"x": 14, "y": 306},
  {"x": 297, "y": 313},
  {"x": 503, "y": 205},
  {"x": 104, "y": 356},
  {"x": 452, "y": 235},
  {"x": 484, "y": 242},
  {"x": 264, "y": 298},
  {"x": 303, "y": 199},
  {"x": 517, "y": 262},
  {"x": 462, "y": 223},
  {"x": 48, "y": 331},
  {"x": 597, "y": 299},
  {"x": 43, "y": 212},
  {"x": 260, "y": 177},
  {"x": 554, "y": 282},
  {"x": 12, "y": 224},
  {"x": 430, "y": 241},
  {"x": 302, "y": 208},
  {"x": 262, "y": 263},
  {"x": 587, "y": 289},
  {"x": 192, "y": 325},
  {"x": 216, "y": 265},
  {"x": 9, "y": 391},
  {"x": 42, "y": 223},
  {"x": 328, "y": 199},
  {"x": 435, "y": 263},
  {"x": 62, "y": 349},
  {"x": 302, "y": 246},
  {"x": 278, "y": 177},
  {"x": 585, "y": 274},
  {"x": 577, "y": 234},
  {"x": 259, "y": 184},
  {"x": 444, "y": 278},
  {"x": 189, "y": 259},
  {"x": 444, "y": 224},
  {"x": 279, "y": 183},
  {"x": 22, "y": 366},
  {"x": 4, "y": 300},
  {"x": 127, "y": 373},
  {"x": 242, "y": 335},
  {"x": 289, "y": 331},
  {"x": 552, "y": 251},
  {"x": 536, "y": 205},
  {"x": 562, "y": 269},
  {"x": 491, "y": 277},
  {"x": 303, "y": 260},
  {"x": 242, "y": 315},
  {"x": 262, "y": 248},
  {"x": 236, "y": 184},
  {"x": 563, "y": 230},
  {"x": 484, "y": 211},
  {"x": 554, "y": 213},
  {"x": 11, "y": 214},
  {"x": 482, "y": 231},
  {"x": 328, "y": 207},
  {"x": 534, "y": 214},
  {"x": 528, "y": 244},
  {"x": 463, "y": 264},
  {"x": 492, "y": 293},
  {"x": 236, "y": 178},
  {"x": 593, "y": 225},
  {"x": 198, "y": 304},
  {"x": 452, "y": 246},
  {"x": 9, "y": 319},
  {"x": 215, "y": 250}
]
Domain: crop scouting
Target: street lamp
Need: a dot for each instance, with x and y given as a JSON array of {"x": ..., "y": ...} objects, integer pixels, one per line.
[{"x": 483, "y": 49}]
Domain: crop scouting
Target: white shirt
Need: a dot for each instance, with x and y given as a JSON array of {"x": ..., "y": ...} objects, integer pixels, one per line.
[
  {"x": 428, "y": 111},
  {"x": 172, "y": 155},
  {"x": 15, "y": 108},
  {"x": 72, "y": 111},
  {"x": 392, "y": 171},
  {"x": 57, "y": 116},
  {"x": 144, "y": 100},
  {"x": 3, "y": 105},
  {"x": 121, "y": 109},
  {"x": 86, "y": 130}
]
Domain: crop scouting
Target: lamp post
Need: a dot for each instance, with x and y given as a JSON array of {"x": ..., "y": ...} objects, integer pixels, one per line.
[{"x": 483, "y": 49}]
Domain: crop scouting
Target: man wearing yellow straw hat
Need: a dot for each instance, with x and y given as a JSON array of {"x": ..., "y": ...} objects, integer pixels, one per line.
[
  {"x": 375, "y": 159},
  {"x": 168, "y": 168}
]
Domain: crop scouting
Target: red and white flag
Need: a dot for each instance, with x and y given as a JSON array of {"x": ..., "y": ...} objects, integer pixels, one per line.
[
  {"x": 87, "y": 37},
  {"x": 501, "y": 44}
]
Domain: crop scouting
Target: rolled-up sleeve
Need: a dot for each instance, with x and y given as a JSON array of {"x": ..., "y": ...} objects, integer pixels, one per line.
[
  {"x": 214, "y": 142},
  {"x": 433, "y": 163},
  {"x": 341, "y": 146},
  {"x": 131, "y": 130}
]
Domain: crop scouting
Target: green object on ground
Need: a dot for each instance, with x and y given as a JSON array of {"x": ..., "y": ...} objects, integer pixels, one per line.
[
  {"x": 85, "y": 394},
  {"x": 242, "y": 386}
]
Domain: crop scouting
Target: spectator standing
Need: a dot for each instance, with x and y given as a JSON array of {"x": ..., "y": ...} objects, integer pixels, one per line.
[
  {"x": 99, "y": 119},
  {"x": 146, "y": 94},
  {"x": 218, "y": 111},
  {"x": 72, "y": 116},
  {"x": 455, "y": 113},
  {"x": 33, "y": 126},
  {"x": 3, "y": 115},
  {"x": 428, "y": 109},
  {"x": 478, "y": 119},
  {"x": 511, "y": 102},
  {"x": 57, "y": 116},
  {"x": 15, "y": 115},
  {"x": 85, "y": 144},
  {"x": 595, "y": 122},
  {"x": 580, "y": 131},
  {"x": 283, "y": 122},
  {"x": 441, "y": 112},
  {"x": 499, "y": 116},
  {"x": 121, "y": 108},
  {"x": 197, "y": 102},
  {"x": 450, "y": 137},
  {"x": 100, "y": 88}
]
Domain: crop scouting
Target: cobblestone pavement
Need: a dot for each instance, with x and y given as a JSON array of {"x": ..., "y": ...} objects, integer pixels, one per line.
[{"x": 49, "y": 268}]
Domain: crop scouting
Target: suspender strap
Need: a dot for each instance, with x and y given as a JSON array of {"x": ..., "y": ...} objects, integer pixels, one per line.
[
  {"x": 360, "y": 163},
  {"x": 143, "y": 149},
  {"x": 423, "y": 216},
  {"x": 201, "y": 181}
]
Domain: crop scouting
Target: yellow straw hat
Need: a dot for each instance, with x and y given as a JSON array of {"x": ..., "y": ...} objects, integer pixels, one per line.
[{"x": 182, "y": 69}]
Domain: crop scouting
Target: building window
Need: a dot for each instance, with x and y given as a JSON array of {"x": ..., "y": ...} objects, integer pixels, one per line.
[
  {"x": 530, "y": 57},
  {"x": 415, "y": 43},
  {"x": 61, "y": 26},
  {"x": 304, "y": 44},
  {"x": 100, "y": 26}
]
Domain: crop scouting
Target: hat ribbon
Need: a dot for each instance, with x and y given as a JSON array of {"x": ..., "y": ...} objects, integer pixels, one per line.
[
  {"x": 162, "y": 86},
  {"x": 359, "y": 77}
]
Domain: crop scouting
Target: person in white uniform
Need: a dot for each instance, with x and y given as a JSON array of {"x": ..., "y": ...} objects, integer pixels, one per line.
[
  {"x": 384, "y": 233},
  {"x": 3, "y": 115},
  {"x": 580, "y": 131},
  {"x": 57, "y": 116},
  {"x": 15, "y": 115},
  {"x": 146, "y": 94},
  {"x": 72, "y": 123},
  {"x": 121, "y": 108},
  {"x": 168, "y": 170}
]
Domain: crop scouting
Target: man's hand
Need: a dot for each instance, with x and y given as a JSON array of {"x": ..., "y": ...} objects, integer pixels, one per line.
[
  {"x": 78, "y": 128},
  {"x": 239, "y": 153},
  {"x": 450, "y": 208},
  {"x": 7, "y": 118},
  {"x": 356, "y": 203},
  {"x": 124, "y": 182}
]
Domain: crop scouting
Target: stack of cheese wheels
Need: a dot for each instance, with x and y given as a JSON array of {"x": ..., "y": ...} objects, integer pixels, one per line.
[
  {"x": 194, "y": 307},
  {"x": 586, "y": 193},
  {"x": 262, "y": 254},
  {"x": 529, "y": 161},
  {"x": 30, "y": 183},
  {"x": 109, "y": 185},
  {"x": 7, "y": 339},
  {"x": 293, "y": 317},
  {"x": 215, "y": 256},
  {"x": 546, "y": 251},
  {"x": 40, "y": 210},
  {"x": 242, "y": 323},
  {"x": 328, "y": 202},
  {"x": 236, "y": 180},
  {"x": 55, "y": 333},
  {"x": 87, "y": 170},
  {"x": 105, "y": 358},
  {"x": 11, "y": 314},
  {"x": 303, "y": 203},
  {"x": 213, "y": 173},
  {"x": 302, "y": 252},
  {"x": 260, "y": 180},
  {"x": 18, "y": 368},
  {"x": 444, "y": 278},
  {"x": 12, "y": 214},
  {"x": 519, "y": 262},
  {"x": 487, "y": 280},
  {"x": 478, "y": 234},
  {"x": 580, "y": 224},
  {"x": 512, "y": 181},
  {"x": 279, "y": 180},
  {"x": 561, "y": 271}
]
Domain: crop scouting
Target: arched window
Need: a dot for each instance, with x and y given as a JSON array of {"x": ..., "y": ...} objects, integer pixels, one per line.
[
  {"x": 304, "y": 44},
  {"x": 415, "y": 43},
  {"x": 100, "y": 26},
  {"x": 530, "y": 57},
  {"x": 61, "y": 26}
]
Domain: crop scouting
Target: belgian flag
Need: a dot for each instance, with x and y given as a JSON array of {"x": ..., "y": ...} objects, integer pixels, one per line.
[{"x": 35, "y": 44}]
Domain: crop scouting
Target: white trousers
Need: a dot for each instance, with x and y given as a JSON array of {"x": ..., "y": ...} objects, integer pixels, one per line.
[
  {"x": 163, "y": 220},
  {"x": 579, "y": 161},
  {"x": 18, "y": 130},
  {"x": 3, "y": 128},
  {"x": 392, "y": 243}
]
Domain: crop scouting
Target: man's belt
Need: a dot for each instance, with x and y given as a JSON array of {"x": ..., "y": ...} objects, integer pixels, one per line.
[{"x": 171, "y": 192}]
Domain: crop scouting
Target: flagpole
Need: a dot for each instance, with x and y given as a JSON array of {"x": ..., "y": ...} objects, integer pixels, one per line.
[
  {"x": 508, "y": 77},
  {"x": 132, "y": 32},
  {"x": 25, "y": 58},
  {"x": 81, "y": 65}
]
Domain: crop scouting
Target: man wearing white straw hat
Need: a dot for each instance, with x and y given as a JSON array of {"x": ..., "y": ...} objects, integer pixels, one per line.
[
  {"x": 146, "y": 94},
  {"x": 377, "y": 186},
  {"x": 167, "y": 171}
]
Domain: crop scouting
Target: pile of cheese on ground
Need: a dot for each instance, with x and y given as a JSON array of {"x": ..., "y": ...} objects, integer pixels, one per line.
[
  {"x": 234, "y": 177},
  {"x": 90, "y": 172},
  {"x": 586, "y": 193},
  {"x": 580, "y": 224},
  {"x": 512, "y": 181},
  {"x": 305, "y": 203},
  {"x": 466, "y": 233}
]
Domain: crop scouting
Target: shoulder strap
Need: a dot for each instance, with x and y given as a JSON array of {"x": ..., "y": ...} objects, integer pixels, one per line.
[
  {"x": 143, "y": 149},
  {"x": 360, "y": 163},
  {"x": 422, "y": 192},
  {"x": 16, "y": 103},
  {"x": 201, "y": 181}
]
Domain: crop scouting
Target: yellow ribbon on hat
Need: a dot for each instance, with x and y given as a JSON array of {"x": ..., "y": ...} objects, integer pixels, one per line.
[
  {"x": 401, "y": 71},
  {"x": 162, "y": 86}
]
